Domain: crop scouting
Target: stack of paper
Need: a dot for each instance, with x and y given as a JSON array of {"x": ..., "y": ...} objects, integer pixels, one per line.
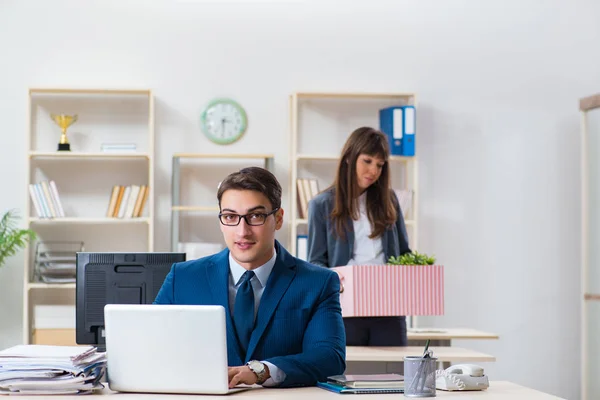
[
  {"x": 37, "y": 369},
  {"x": 372, "y": 383}
]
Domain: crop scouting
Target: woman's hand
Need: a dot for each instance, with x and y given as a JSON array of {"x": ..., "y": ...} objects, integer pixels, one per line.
[{"x": 341, "y": 280}]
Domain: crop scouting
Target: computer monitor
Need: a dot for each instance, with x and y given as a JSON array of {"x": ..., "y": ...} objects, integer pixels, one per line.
[{"x": 115, "y": 278}]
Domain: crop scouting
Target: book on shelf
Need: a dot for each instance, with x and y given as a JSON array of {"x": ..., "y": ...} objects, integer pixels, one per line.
[
  {"x": 45, "y": 199},
  {"x": 124, "y": 202},
  {"x": 307, "y": 189},
  {"x": 118, "y": 147},
  {"x": 127, "y": 201}
]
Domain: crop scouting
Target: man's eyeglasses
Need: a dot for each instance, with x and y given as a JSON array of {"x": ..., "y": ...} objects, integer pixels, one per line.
[{"x": 253, "y": 219}]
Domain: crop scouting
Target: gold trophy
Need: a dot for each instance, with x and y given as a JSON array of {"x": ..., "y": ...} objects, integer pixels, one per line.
[{"x": 64, "y": 121}]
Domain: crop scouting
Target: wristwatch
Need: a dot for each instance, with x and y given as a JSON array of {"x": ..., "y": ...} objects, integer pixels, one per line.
[{"x": 259, "y": 369}]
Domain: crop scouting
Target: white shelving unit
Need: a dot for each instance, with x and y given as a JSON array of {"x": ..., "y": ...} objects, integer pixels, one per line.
[
  {"x": 85, "y": 176},
  {"x": 211, "y": 174},
  {"x": 590, "y": 253},
  {"x": 320, "y": 124}
]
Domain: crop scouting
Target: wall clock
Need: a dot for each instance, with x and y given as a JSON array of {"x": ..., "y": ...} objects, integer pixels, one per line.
[{"x": 224, "y": 121}]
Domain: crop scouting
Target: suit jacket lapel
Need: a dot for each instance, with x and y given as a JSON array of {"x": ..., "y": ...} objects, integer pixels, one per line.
[
  {"x": 217, "y": 275},
  {"x": 281, "y": 277}
]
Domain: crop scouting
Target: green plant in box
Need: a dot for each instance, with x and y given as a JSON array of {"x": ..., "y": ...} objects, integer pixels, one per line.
[{"x": 413, "y": 258}]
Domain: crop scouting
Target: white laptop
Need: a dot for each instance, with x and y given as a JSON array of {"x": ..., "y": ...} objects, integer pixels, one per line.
[{"x": 166, "y": 349}]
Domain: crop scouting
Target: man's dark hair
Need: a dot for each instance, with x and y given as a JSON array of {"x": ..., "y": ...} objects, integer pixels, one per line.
[{"x": 256, "y": 179}]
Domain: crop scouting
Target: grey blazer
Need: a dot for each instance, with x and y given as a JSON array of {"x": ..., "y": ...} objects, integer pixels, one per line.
[{"x": 327, "y": 249}]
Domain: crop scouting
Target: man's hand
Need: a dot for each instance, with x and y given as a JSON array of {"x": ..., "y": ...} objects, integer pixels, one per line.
[
  {"x": 239, "y": 375},
  {"x": 243, "y": 375}
]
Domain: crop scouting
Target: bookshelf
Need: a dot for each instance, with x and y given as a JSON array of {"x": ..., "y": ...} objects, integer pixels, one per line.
[
  {"x": 320, "y": 123},
  {"x": 194, "y": 182},
  {"x": 84, "y": 177}
]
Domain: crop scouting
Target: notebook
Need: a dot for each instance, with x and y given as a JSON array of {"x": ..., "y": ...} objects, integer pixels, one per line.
[
  {"x": 368, "y": 381},
  {"x": 345, "y": 390}
]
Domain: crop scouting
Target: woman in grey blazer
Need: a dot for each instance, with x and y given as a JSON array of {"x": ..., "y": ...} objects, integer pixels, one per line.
[{"x": 358, "y": 221}]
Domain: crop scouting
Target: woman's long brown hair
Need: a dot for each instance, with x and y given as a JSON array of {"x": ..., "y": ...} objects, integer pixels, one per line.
[{"x": 380, "y": 204}]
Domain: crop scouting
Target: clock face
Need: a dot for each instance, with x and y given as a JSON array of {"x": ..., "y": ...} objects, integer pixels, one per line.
[{"x": 223, "y": 121}]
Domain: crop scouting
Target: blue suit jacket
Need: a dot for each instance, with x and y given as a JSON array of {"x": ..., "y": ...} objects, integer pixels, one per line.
[{"x": 299, "y": 325}]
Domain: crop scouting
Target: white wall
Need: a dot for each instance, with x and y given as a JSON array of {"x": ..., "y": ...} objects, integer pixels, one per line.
[{"x": 498, "y": 84}]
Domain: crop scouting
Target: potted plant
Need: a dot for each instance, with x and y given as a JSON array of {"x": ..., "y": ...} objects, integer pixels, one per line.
[{"x": 12, "y": 239}]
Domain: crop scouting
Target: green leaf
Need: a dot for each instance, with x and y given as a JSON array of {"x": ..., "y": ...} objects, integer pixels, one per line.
[
  {"x": 413, "y": 258},
  {"x": 12, "y": 239}
]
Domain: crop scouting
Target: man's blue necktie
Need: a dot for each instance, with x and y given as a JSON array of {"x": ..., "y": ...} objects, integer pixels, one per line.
[{"x": 243, "y": 311}]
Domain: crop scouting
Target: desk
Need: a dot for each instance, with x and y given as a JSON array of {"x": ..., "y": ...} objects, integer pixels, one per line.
[
  {"x": 497, "y": 391},
  {"x": 395, "y": 354},
  {"x": 379, "y": 360},
  {"x": 443, "y": 336},
  {"x": 446, "y": 335}
]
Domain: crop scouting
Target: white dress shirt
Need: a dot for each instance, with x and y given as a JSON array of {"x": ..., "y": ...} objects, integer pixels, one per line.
[
  {"x": 258, "y": 282},
  {"x": 367, "y": 251}
]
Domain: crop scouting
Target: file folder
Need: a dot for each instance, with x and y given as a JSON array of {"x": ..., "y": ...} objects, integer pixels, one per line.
[
  {"x": 408, "y": 138},
  {"x": 390, "y": 123},
  {"x": 399, "y": 124}
]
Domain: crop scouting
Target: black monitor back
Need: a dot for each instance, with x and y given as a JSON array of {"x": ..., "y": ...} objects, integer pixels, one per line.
[{"x": 115, "y": 278}]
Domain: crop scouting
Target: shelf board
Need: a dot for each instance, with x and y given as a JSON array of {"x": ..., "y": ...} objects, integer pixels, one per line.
[
  {"x": 90, "y": 221},
  {"x": 206, "y": 155},
  {"x": 331, "y": 157},
  {"x": 195, "y": 208},
  {"x": 302, "y": 221},
  {"x": 89, "y": 91},
  {"x": 350, "y": 95},
  {"x": 62, "y": 155},
  {"x": 403, "y": 159},
  {"x": 325, "y": 157},
  {"x": 40, "y": 285}
]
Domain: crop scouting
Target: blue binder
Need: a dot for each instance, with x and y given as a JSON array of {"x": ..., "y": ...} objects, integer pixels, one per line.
[{"x": 399, "y": 124}]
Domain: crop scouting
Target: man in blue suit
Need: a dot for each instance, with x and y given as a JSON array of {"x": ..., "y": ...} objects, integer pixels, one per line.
[{"x": 284, "y": 320}]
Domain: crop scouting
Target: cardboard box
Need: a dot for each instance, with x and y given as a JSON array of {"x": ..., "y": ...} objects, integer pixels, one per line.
[
  {"x": 57, "y": 337},
  {"x": 392, "y": 290}
]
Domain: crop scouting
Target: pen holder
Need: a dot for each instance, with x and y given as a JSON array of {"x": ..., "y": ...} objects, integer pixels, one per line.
[{"x": 419, "y": 376}]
